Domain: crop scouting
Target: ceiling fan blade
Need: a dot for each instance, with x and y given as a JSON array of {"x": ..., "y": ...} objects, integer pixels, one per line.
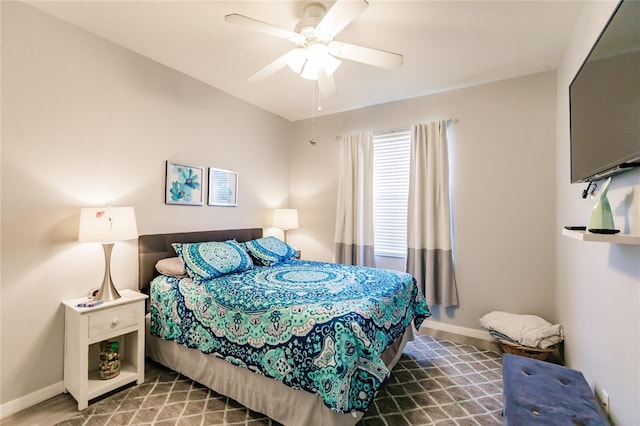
[
  {"x": 295, "y": 59},
  {"x": 366, "y": 55},
  {"x": 269, "y": 69},
  {"x": 256, "y": 25},
  {"x": 326, "y": 84},
  {"x": 340, "y": 15}
]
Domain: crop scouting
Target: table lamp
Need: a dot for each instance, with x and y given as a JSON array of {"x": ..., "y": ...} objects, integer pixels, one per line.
[
  {"x": 285, "y": 219},
  {"x": 107, "y": 225}
]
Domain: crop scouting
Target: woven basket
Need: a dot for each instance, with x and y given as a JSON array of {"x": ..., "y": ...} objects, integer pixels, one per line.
[{"x": 529, "y": 352}]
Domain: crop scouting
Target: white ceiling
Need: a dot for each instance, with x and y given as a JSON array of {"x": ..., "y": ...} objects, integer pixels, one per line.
[{"x": 446, "y": 45}]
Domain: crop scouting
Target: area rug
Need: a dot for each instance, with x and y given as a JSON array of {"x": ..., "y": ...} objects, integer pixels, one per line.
[{"x": 435, "y": 382}]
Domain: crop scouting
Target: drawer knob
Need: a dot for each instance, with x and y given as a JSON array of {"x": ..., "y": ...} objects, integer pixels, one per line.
[{"x": 115, "y": 322}]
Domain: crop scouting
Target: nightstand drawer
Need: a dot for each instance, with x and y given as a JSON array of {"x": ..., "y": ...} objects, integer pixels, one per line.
[{"x": 113, "y": 320}]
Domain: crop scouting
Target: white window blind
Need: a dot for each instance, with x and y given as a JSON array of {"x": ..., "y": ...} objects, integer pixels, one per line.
[{"x": 391, "y": 151}]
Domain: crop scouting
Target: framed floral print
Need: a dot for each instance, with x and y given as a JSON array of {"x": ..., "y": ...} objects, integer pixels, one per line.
[
  {"x": 223, "y": 187},
  {"x": 184, "y": 184}
]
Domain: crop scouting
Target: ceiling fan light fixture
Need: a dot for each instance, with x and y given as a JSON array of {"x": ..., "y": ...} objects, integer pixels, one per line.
[
  {"x": 318, "y": 58},
  {"x": 317, "y": 51},
  {"x": 309, "y": 71},
  {"x": 331, "y": 64},
  {"x": 296, "y": 59}
]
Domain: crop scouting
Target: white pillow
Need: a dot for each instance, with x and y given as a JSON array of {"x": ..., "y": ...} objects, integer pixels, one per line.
[{"x": 172, "y": 266}]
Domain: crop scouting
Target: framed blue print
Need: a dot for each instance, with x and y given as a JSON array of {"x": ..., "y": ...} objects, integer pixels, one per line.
[
  {"x": 184, "y": 185},
  {"x": 223, "y": 187}
]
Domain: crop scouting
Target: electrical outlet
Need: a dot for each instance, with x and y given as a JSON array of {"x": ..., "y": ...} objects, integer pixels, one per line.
[{"x": 605, "y": 400}]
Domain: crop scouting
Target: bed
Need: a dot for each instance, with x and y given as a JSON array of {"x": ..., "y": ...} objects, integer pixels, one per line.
[{"x": 317, "y": 357}]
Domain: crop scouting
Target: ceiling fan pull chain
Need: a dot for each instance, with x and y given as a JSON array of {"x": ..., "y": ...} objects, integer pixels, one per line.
[{"x": 312, "y": 141}]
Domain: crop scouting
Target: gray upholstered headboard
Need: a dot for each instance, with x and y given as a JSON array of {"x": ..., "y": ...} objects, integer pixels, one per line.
[{"x": 152, "y": 248}]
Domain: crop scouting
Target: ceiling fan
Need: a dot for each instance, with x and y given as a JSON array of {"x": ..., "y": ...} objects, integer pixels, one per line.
[{"x": 317, "y": 55}]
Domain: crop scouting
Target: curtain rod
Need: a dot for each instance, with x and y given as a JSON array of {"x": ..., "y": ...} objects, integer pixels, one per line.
[{"x": 404, "y": 129}]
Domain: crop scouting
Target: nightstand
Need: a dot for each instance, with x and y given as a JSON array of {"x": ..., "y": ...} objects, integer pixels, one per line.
[{"x": 85, "y": 328}]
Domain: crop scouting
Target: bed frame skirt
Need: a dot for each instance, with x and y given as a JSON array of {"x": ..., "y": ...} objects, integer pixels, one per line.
[{"x": 258, "y": 393}]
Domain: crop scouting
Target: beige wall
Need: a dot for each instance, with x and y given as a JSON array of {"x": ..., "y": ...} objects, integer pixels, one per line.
[
  {"x": 598, "y": 284},
  {"x": 503, "y": 173},
  {"x": 87, "y": 123}
]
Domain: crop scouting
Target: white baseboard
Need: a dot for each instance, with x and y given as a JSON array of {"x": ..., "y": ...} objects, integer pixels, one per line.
[
  {"x": 456, "y": 329},
  {"x": 31, "y": 399}
]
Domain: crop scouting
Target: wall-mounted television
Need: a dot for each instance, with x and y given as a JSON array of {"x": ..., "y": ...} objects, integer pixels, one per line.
[{"x": 605, "y": 100}]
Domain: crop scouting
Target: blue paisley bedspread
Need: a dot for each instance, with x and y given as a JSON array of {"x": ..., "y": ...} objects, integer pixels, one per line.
[{"x": 319, "y": 327}]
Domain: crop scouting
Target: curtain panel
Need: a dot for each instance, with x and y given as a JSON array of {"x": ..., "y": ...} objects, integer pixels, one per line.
[
  {"x": 354, "y": 212},
  {"x": 429, "y": 246}
]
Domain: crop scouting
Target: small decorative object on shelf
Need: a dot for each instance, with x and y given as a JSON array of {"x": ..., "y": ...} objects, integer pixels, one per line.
[
  {"x": 601, "y": 219},
  {"x": 109, "y": 359}
]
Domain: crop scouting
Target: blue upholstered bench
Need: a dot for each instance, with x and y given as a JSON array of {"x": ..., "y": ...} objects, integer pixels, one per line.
[{"x": 541, "y": 393}]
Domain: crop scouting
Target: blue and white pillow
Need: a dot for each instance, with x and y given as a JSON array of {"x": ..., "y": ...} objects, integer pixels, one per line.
[
  {"x": 270, "y": 251},
  {"x": 204, "y": 261}
]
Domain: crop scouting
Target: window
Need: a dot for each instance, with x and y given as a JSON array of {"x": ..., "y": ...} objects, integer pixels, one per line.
[{"x": 391, "y": 152}]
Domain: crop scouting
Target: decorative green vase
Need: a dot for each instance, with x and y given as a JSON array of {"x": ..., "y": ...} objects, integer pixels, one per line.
[
  {"x": 109, "y": 359},
  {"x": 601, "y": 217}
]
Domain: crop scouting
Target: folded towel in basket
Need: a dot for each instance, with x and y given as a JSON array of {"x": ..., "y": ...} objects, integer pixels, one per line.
[
  {"x": 527, "y": 330},
  {"x": 501, "y": 336}
]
